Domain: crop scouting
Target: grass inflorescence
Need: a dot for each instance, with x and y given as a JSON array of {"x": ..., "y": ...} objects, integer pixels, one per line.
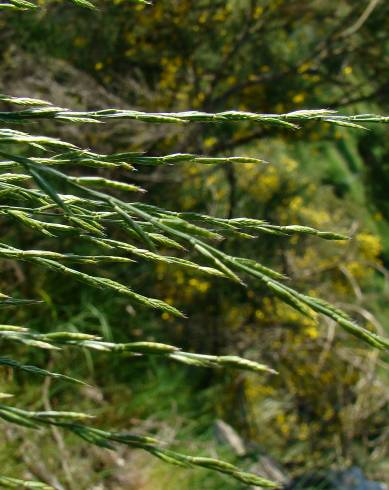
[{"x": 34, "y": 170}]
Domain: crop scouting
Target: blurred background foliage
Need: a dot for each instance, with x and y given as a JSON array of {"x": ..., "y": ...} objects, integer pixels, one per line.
[{"x": 328, "y": 408}]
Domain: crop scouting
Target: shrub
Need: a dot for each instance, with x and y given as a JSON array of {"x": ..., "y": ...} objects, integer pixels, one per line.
[{"x": 42, "y": 193}]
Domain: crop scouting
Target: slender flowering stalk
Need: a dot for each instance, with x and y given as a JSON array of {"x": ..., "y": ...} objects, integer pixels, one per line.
[
  {"x": 35, "y": 169},
  {"x": 23, "y": 5},
  {"x": 10, "y": 363},
  {"x": 8, "y": 482},
  {"x": 56, "y": 340},
  {"x": 70, "y": 421},
  {"x": 289, "y": 120},
  {"x": 140, "y": 220}
]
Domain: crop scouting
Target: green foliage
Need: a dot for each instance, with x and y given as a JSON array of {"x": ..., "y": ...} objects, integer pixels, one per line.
[
  {"x": 90, "y": 219},
  {"x": 67, "y": 208}
]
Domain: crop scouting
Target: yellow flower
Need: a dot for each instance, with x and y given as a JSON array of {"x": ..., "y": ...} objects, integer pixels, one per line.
[
  {"x": 298, "y": 98},
  {"x": 258, "y": 12},
  {"x": 312, "y": 331},
  {"x": 304, "y": 67},
  {"x": 370, "y": 245},
  {"x": 208, "y": 142},
  {"x": 201, "y": 286}
]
